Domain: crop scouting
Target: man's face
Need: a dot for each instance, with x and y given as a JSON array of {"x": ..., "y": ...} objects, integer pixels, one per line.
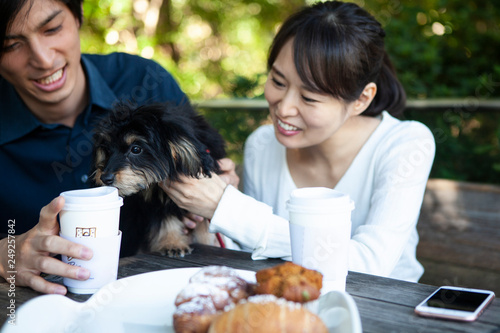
[{"x": 42, "y": 55}]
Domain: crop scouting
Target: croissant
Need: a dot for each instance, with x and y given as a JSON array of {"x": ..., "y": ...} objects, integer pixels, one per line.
[
  {"x": 266, "y": 312},
  {"x": 206, "y": 295},
  {"x": 290, "y": 281},
  {"x": 194, "y": 316}
]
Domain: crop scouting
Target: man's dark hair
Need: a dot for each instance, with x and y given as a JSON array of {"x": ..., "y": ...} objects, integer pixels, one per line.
[{"x": 10, "y": 8}]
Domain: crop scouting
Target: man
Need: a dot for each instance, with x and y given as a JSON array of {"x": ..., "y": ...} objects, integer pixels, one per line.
[{"x": 50, "y": 97}]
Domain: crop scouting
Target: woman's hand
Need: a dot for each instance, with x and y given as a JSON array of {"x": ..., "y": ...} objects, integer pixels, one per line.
[
  {"x": 191, "y": 221},
  {"x": 228, "y": 176},
  {"x": 198, "y": 196},
  {"x": 33, "y": 254},
  {"x": 228, "y": 169}
]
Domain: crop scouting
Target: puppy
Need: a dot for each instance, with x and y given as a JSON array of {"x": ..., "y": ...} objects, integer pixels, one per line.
[{"x": 136, "y": 148}]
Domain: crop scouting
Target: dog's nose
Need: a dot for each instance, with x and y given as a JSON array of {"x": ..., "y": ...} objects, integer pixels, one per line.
[{"x": 107, "y": 178}]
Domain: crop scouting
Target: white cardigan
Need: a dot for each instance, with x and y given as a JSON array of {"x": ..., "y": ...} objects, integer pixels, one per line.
[{"x": 386, "y": 181}]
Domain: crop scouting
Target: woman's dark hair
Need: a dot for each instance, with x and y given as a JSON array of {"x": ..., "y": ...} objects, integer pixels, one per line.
[
  {"x": 338, "y": 49},
  {"x": 10, "y": 8}
]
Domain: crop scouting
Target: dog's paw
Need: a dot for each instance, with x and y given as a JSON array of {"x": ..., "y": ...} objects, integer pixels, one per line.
[
  {"x": 177, "y": 253},
  {"x": 170, "y": 239}
]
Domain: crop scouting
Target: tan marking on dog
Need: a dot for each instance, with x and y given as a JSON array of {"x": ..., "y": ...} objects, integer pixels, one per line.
[
  {"x": 97, "y": 177},
  {"x": 131, "y": 138},
  {"x": 201, "y": 234},
  {"x": 184, "y": 151},
  {"x": 100, "y": 157},
  {"x": 129, "y": 182},
  {"x": 173, "y": 151},
  {"x": 170, "y": 239}
]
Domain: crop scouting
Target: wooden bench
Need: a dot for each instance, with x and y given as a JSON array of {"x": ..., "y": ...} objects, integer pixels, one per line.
[{"x": 459, "y": 230}]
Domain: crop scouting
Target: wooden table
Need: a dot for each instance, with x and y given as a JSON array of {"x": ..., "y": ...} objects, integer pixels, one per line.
[{"x": 385, "y": 305}]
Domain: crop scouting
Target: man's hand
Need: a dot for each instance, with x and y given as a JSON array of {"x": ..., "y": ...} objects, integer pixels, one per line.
[{"x": 34, "y": 249}]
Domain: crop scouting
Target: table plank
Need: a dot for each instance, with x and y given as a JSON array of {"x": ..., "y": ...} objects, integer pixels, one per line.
[
  {"x": 387, "y": 305},
  {"x": 387, "y": 290}
]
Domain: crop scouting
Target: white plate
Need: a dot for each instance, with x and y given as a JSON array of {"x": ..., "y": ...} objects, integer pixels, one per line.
[{"x": 145, "y": 303}]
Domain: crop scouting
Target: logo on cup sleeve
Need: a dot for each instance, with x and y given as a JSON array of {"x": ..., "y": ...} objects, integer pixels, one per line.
[{"x": 85, "y": 232}]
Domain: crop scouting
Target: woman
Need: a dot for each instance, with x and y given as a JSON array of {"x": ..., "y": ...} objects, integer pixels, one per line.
[{"x": 332, "y": 94}]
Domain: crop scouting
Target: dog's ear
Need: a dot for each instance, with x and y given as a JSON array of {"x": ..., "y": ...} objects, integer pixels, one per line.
[
  {"x": 180, "y": 132},
  {"x": 212, "y": 140},
  {"x": 186, "y": 156}
]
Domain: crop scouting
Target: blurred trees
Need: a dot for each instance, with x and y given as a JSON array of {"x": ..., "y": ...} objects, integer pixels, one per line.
[
  {"x": 218, "y": 49},
  {"x": 214, "y": 48}
]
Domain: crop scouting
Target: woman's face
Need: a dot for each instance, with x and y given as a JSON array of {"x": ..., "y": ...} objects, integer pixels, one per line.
[
  {"x": 302, "y": 118},
  {"x": 42, "y": 54}
]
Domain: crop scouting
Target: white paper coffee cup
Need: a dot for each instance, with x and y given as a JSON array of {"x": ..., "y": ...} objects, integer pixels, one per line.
[
  {"x": 103, "y": 266},
  {"x": 320, "y": 230},
  {"x": 91, "y": 217},
  {"x": 93, "y": 212}
]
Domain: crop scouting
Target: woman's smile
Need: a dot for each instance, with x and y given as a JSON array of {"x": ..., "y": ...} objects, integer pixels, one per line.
[{"x": 287, "y": 129}]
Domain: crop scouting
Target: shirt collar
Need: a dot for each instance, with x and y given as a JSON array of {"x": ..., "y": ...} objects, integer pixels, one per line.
[
  {"x": 100, "y": 94},
  {"x": 16, "y": 120}
]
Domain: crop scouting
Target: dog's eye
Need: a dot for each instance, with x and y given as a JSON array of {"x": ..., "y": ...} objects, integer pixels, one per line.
[{"x": 136, "y": 150}]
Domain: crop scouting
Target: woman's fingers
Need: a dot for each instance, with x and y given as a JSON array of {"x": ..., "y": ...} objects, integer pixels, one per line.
[
  {"x": 191, "y": 220},
  {"x": 228, "y": 169}
]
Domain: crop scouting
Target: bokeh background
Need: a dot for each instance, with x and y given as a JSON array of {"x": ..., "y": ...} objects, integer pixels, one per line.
[{"x": 444, "y": 50}]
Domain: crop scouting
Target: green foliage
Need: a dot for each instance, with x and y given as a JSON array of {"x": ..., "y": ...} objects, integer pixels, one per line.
[
  {"x": 467, "y": 143},
  {"x": 235, "y": 126},
  {"x": 218, "y": 49},
  {"x": 211, "y": 47},
  {"x": 443, "y": 48}
]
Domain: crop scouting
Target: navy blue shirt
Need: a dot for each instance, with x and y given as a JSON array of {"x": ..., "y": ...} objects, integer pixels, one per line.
[{"x": 39, "y": 161}]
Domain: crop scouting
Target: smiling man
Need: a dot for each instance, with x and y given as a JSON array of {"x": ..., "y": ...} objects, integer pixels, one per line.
[
  {"x": 50, "y": 97},
  {"x": 41, "y": 60}
]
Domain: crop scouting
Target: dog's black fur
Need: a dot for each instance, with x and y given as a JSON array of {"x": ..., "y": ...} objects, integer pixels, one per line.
[{"x": 135, "y": 149}]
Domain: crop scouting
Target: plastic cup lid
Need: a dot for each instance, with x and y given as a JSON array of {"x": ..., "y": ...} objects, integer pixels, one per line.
[
  {"x": 319, "y": 198},
  {"x": 105, "y": 197}
]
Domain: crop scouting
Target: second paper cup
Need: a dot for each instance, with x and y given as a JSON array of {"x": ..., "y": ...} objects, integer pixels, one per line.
[{"x": 320, "y": 230}]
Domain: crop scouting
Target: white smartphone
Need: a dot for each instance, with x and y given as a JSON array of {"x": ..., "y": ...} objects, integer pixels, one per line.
[{"x": 455, "y": 303}]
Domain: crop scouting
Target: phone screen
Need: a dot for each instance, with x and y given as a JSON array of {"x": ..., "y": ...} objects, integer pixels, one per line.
[{"x": 456, "y": 300}]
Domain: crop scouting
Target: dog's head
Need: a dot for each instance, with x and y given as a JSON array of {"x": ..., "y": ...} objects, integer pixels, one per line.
[{"x": 137, "y": 147}]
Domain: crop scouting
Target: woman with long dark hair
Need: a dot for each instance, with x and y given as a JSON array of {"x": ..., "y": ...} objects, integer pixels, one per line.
[{"x": 333, "y": 99}]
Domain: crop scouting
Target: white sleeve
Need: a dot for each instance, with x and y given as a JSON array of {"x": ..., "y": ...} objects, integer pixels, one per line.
[
  {"x": 252, "y": 225},
  {"x": 400, "y": 179},
  {"x": 244, "y": 218}
]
